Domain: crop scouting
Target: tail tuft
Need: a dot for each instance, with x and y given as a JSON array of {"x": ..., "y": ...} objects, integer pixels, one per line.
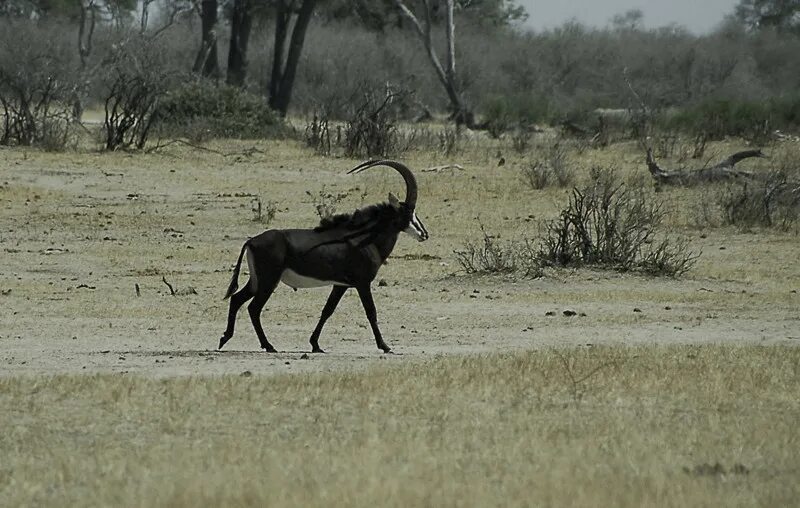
[{"x": 232, "y": 288}]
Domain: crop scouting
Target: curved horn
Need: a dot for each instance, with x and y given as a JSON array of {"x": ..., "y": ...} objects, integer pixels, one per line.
[{"x": 408, "y": 176}]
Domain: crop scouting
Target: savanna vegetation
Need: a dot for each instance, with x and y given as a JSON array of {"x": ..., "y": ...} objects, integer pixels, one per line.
[{"x": 605, "y": 313}]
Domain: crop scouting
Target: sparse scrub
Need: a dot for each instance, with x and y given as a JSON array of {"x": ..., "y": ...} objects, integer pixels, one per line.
[
  {"x": 263, "y": 212},
  {"x": 318, "y": 135},
  {"x": 448, "y": 140},
  {"x": 326, "y": 203},
  {"x": 36, "y": 88},
  {"x": 771, "y": 201},
  {"x": 609, "y": 225},
  {"x": 371, "y": 128},
  {"x": 135, "y": 83},
  {"x": 551, "y": 170},
  {"x": 489, "y": 255}
]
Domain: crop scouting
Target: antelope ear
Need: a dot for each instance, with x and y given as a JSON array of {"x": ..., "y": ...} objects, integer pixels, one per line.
[{"x": 394, "y": 201}]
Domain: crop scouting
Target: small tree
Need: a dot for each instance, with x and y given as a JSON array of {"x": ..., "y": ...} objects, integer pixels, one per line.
[
  {"x": 37, "y": 80},
  {"x": 783, "y": 15},
  {"x": 447, "y": 75},
  {"x": 134, "y": 85}
]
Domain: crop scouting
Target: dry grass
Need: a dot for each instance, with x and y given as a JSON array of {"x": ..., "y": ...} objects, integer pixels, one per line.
[
  {"x": 78, "y": 232},
  {"x": 603, "y": 426}
]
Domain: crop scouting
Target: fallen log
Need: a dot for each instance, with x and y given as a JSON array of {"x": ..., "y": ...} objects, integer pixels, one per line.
[{"x": 721, "y": 171}]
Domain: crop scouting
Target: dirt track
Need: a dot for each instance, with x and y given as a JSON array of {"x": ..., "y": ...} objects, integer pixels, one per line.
[{"x": 80, "y": 231}]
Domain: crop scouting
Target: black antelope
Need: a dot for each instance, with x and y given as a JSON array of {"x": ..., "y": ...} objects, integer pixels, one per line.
[{"x": 344, "y": 251}]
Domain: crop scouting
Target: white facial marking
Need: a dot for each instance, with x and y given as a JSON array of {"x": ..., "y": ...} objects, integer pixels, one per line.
[{"x": 416, "y": 228}]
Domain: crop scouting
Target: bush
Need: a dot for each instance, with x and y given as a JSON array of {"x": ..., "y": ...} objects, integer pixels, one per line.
[
  {"x": 752, "y": 120},
  {"x": 37, "y": 88},
  {"x": 371, "y": 128},
  {"x": 134, "y": 83},
  {"x": 506, "y": 112},
  {"x": 221, "y": 111},
  {"x": 773, "y": 201},
  {"x": 318, "y": 135},
  {"x": 490, "y": 256},
  {"x": 550, "y": 170},
  {"x": 608, "y": 225}
]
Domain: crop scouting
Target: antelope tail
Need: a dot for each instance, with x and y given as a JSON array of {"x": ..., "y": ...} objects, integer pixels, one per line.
[{"x": 234, "y": 285}]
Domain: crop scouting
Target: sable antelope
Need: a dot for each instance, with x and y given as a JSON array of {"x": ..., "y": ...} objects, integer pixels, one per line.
[{"x": 344, "y": 251}]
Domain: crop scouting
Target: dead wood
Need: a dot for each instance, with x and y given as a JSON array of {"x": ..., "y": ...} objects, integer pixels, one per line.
[
  {"x": 171, "y": 289},
  {"x": 722, "y": 171}
]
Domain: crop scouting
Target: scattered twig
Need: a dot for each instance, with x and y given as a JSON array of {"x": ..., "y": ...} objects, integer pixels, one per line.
[
  {"x": 247, "y": 152},
  {"x": 138, "y": 292},
  {"x": 575, "y": 380},
  {"x": 171, "y": 289},
  {"x": 437, "y": 169}
]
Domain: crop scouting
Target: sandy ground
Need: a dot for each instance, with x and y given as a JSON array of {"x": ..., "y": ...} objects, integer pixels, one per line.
[{"x": 80, "y": 231}]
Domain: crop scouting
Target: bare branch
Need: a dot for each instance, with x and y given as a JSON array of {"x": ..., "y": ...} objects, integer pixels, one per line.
[{"x": 451, "y": 48}]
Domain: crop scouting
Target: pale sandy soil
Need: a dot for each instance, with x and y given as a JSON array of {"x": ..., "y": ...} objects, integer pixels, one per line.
[{"x": 79, "y": 231}]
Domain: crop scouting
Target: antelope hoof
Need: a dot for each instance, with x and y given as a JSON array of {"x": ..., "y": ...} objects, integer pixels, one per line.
[
  {"x": 269, "y": 349},
  {"x": 317, "y": 349},
  {"x": 387, "y": 350},
  {"x": 223, "y": 340}
]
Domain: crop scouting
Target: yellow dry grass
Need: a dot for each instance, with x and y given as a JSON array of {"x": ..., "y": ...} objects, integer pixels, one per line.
[{"x": 604, "y": 426}]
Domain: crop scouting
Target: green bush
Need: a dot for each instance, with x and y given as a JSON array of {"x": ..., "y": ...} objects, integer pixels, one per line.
[
  {"x": 504, "y": 112},
  {"x": 222, "y": 111},
  {"x": 753, "y": 120},
  {"x": 787, "y": 111}
]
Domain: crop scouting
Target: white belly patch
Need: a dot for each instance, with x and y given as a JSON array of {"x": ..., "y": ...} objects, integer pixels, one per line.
[{"x": 297, "y": 281}]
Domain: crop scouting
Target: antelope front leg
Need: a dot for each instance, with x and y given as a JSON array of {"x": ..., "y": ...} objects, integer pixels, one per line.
[
  {"x": 333, "y": 300},
  {"x": 365, "y": 293}
]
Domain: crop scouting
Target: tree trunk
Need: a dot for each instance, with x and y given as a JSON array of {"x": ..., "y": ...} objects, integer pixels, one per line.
[
  {"x": 282, "y": 88},
  {"x": 241, "y": 21},
  {"x": 461, "y": 114},
  {"x": 206, "y": 62},
  {"x": 282, "y": 17}
]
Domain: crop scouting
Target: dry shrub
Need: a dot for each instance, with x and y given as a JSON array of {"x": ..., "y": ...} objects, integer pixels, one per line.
[
  {"x": 491, "y": 256},
  {"x": 135, "y": 83},
  {"x": 487, "y": 256},
  {"x": 325, "y": 202},
  {"x": 37, "y": 88},
  {"x": 610, "y": 225},
  {"x": 772, "y": 201},
  {"x": 371, "y": 128},
  {"x": 551, "y": 170},
  {"x": 317, "y": 134}
]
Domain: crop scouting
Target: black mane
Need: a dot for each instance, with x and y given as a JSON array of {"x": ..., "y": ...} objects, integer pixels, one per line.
[{"x": 358, "y": 219}]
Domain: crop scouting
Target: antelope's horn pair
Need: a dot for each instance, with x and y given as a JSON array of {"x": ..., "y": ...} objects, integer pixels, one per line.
[{"x": 408, "y": 176}]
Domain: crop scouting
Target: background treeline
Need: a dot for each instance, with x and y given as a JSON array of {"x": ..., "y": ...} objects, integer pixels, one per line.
[{"x": 744, "y": 77}]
